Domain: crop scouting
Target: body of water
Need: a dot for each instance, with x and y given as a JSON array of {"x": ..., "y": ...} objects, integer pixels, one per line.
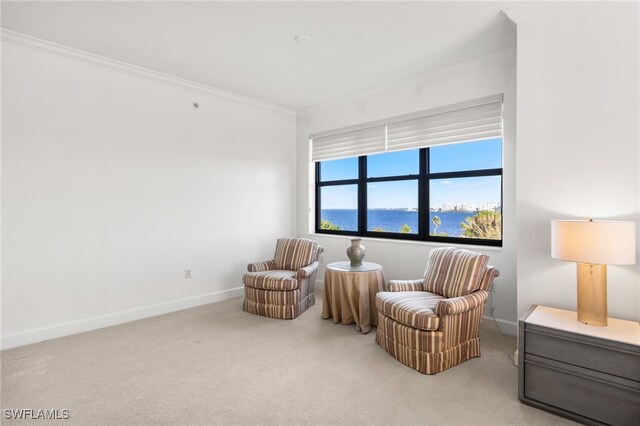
[{"x": 393, "y": 220}]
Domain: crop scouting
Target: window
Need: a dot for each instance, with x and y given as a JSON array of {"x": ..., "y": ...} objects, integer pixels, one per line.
[
  {"x": 448, "y": 193},
  {"x": 339, "y": 194},
  {"x": 392, "y": 192},
  {"x": 433, "y": 176}
]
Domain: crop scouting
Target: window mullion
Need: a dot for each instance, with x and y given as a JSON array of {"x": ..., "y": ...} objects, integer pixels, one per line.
[
  {"x": 362, "y": 195},
  {"x": 466, "y": 173},
  {"x": 318, "y": 217},
  {"x": 423, "y": 195},
  {"x": 392, "y": 178},
  {"x": 339, "y": 182}
]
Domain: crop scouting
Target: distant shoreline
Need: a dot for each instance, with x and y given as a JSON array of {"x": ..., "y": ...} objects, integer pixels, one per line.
[
  {"x": 398, "y": 220},
  {"x": 410, "y": 209}
]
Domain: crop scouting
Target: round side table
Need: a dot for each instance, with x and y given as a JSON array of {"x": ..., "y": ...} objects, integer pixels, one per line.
[{"x": 350, "y": 294}]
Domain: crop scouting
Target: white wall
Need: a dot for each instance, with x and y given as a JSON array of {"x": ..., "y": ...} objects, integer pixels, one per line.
[
  {"x": 113, "y": 184},
  {"x": 578, "y": 142},
  {"x": 405, "y": 260}
]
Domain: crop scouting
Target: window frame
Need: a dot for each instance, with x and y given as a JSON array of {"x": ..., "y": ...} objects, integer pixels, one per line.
[{"x": 424, "y": 177}]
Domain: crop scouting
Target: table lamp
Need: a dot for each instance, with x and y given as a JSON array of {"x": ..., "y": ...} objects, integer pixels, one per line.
[{"x": 594, "y": 244}]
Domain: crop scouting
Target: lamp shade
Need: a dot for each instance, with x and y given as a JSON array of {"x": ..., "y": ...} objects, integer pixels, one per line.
[{"x": 597, "y": 242}]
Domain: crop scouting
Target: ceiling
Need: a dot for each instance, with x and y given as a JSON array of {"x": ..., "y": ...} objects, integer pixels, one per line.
[{"x": 248, "y": 47}]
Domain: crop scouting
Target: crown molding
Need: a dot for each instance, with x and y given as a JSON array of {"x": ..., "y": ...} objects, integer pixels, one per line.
[
  {"x": 526, "y": 10},
  {"x": 43, "y": 46},
  {"x": 498, "y": 57}
]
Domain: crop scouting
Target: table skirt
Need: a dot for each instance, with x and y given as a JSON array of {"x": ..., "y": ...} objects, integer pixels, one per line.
[{"x": 350, "y": 297}]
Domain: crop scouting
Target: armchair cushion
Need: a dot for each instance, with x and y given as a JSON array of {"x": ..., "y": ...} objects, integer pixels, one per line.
[
  {"x": 406, "y": 285},
  {"x": 412, "y": 308},
  {"x": 271, "y": 280},
  {"x": 294, "y": 253},
  {"x": 453, "y": 272}
]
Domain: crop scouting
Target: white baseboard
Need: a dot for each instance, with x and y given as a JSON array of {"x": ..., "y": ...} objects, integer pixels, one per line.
[
  {"x": 506, "y": 327},
  {"x": 73, "y": 327}
]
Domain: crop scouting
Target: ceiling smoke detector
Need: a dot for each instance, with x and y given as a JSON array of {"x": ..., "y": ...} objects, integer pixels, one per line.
[{"x": 302, "y": 38}]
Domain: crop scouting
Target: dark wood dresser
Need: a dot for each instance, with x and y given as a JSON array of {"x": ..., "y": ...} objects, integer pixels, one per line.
[{"x": 586, "y": 373}]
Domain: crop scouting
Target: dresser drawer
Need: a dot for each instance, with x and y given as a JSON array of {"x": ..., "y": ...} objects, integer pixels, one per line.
[
  {"x": 609, "y": 357},
  {"x": 596, "y": 396}
]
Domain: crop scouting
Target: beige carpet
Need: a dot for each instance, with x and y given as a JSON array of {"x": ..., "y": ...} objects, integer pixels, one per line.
[{"x": 218, "y": 365}]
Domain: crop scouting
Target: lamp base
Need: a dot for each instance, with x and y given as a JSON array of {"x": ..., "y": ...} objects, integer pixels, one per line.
[{"x": 592, "y": 294}]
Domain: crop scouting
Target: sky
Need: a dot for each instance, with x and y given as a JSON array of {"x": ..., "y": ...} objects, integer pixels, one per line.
[{"x": 444, "y": 158}]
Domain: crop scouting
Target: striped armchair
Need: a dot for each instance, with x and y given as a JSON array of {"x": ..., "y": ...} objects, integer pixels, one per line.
[
  {"x": 282, "y": 287},
  {"x": 433, "y": 323}
]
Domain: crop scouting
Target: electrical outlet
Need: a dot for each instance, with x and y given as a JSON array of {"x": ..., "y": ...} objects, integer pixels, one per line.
[{"x": 187, "y": 273}]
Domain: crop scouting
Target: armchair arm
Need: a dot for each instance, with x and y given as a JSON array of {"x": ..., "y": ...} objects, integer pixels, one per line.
[
  {"x": 487, "y": 279},
  {"x": 458, "y": 305},
  {"x": 267, "y": 265},
  {"x": 405, "y": 285},
  {"x": 307, "y": 270}
]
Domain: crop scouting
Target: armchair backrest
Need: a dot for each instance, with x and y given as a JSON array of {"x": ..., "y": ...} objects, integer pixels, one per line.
[
  {"x": 454, "y": 272},
  {"x": 295, "y": 253}
]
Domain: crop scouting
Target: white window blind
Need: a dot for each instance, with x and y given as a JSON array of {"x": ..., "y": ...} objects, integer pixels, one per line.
[
  {"x": 462, "y": 125},
  {"x": 351, "y": 143},
  {"x": 475, "y": 120}
]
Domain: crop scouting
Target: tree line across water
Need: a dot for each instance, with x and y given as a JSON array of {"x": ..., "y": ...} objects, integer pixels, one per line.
[{"x": 486, "y": 224}]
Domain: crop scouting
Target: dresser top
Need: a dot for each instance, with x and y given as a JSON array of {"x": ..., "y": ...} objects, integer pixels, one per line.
[{"x": 559, "y": 319}]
